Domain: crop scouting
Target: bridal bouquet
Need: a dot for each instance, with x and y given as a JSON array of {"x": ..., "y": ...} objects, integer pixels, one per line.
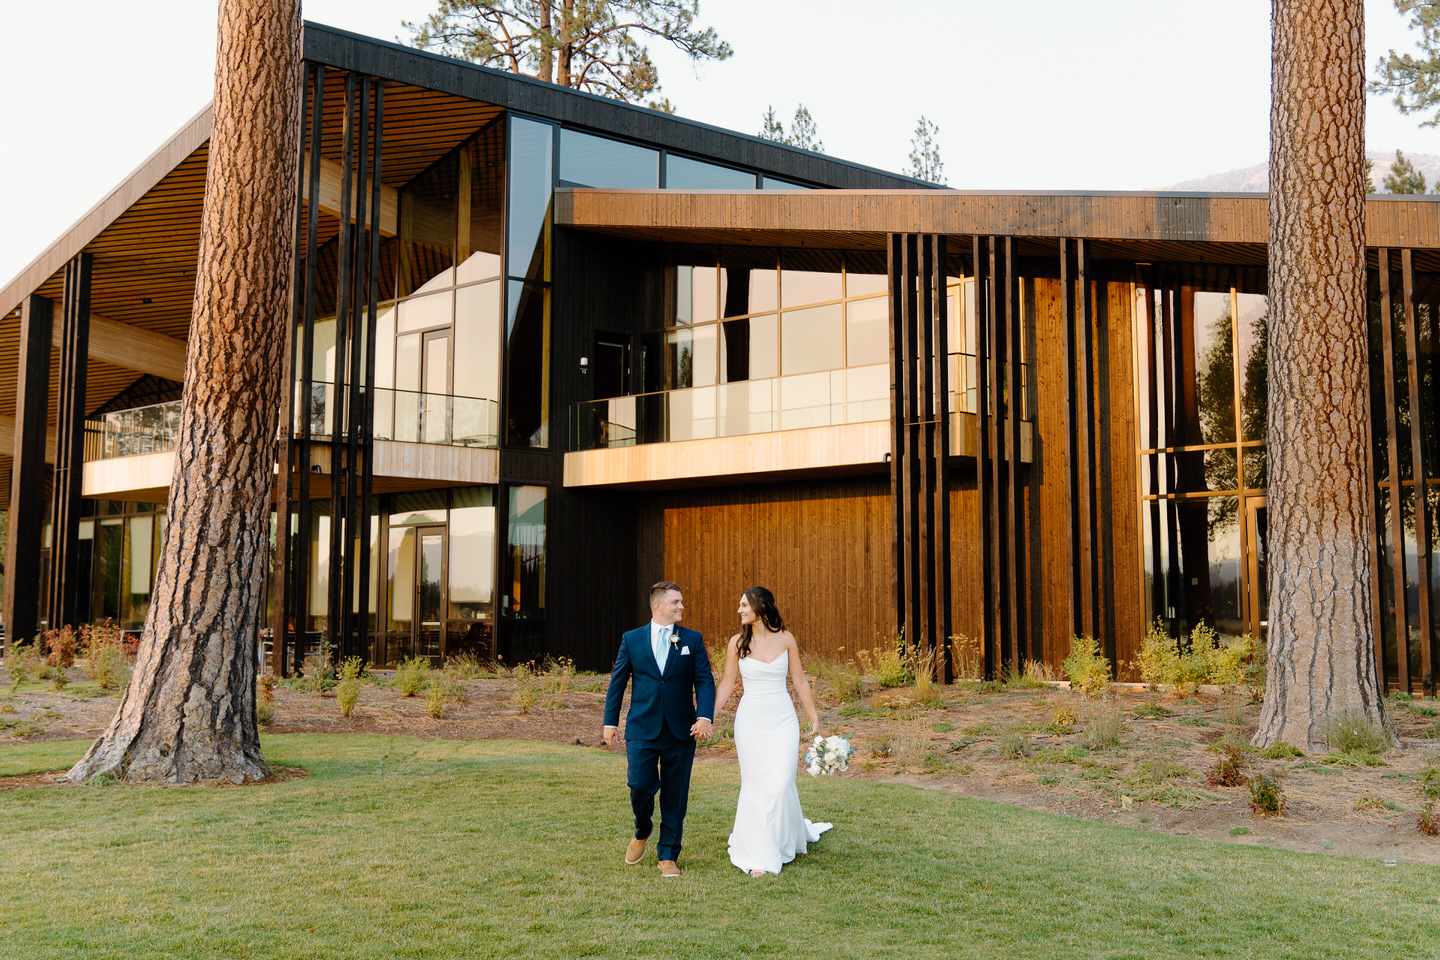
[{"x": 827, "y": 755}]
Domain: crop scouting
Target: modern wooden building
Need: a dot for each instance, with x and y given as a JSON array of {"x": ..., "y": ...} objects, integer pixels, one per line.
[{"x": 548, "y": 348}]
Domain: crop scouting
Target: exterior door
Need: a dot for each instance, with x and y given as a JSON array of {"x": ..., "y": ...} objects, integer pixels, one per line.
[
  {"x": 417, "y": 594},
  {"x": 1257, "y": 614}
]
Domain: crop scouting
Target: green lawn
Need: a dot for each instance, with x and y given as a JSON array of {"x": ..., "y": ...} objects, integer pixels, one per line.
[{"x": 405, "y": 848}]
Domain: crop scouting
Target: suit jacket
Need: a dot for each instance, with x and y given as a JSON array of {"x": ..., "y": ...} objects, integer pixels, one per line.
[{"x": 685, "y": 691}]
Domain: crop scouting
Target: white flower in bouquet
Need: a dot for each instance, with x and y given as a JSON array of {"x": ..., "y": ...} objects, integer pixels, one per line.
[{"x": 828, "y": 755}]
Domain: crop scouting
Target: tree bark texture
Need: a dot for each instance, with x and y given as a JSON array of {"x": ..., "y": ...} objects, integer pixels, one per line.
[
  {"x": 188, "y": 713},
  {"x": 1320, "y": 645}
]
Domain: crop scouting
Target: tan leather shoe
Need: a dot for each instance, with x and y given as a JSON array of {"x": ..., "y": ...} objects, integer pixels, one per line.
[
  {"x": 668, "y": 868},
  {"x": 635, "y": 851}
]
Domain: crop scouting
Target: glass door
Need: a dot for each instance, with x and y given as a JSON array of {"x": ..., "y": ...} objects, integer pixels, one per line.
[
  {"x": 417, "y": 594},
  {"x": 436, "y": 379}
]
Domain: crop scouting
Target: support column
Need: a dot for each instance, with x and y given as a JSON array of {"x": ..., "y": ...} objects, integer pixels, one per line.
[
  {"x": 65, "y": 573},
  {"x": 27, "y": 473}
]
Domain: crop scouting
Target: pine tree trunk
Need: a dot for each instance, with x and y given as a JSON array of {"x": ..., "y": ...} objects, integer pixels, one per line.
[
  {"x": 188, "y": 713},
  {"x": 1321, "y": 654}
]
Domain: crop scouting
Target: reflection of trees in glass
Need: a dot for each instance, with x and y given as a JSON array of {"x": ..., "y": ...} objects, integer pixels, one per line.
[
  {"x": 687, "y": 367},
  {"x": 1254, "y": 400},
  {"x": 1215, "y": 400}
]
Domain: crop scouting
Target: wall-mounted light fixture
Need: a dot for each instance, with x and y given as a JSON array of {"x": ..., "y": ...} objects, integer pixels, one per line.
[{"x": 584, "y": 365}]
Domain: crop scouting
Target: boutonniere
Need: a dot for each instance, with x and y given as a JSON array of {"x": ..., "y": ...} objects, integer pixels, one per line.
[{"x": 674, "y": 638}]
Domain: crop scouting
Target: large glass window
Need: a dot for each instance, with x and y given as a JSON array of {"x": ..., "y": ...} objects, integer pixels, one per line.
[
  {"x": 812, "y": 339},
  {"x": 683, "y": 173},
  {"x": 531, "y": 182},
  {"x": 523, "y": 603},
  {"x": 587, "y": 161},
  {"x": 527, "y": 365}
]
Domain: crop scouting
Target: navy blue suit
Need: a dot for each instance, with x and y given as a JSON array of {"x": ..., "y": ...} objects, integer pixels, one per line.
[{"x": 663, "y": 708}]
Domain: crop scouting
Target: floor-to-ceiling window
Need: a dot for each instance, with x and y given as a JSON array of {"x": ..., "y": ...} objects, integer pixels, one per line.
[{"x": 1200, "y": 381}]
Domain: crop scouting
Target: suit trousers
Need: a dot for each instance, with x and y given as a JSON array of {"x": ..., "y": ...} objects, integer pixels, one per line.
[{"x": 662, "y": 765}]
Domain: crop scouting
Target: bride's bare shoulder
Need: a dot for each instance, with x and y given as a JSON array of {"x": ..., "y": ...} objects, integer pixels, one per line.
[{"x": 735, "y": 641}]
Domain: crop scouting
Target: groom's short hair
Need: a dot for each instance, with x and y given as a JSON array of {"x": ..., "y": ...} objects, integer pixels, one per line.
[{"x": 660, "y": 589}]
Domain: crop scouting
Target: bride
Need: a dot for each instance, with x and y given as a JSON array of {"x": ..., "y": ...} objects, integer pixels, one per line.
[{"x": 769, "y": 827}]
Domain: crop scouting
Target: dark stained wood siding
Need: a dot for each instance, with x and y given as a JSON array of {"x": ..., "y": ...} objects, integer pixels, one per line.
[{"x": 823, "y": 548}]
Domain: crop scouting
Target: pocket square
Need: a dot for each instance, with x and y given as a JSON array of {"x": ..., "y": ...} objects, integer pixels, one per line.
[{"x": 684, "y": 651}]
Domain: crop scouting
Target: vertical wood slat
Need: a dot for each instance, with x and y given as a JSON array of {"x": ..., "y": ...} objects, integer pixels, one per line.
[
  {"x": 27, "y": 474},
  {"x": 925, "y": 450},
  {"x": 983, "y": 481},
  {"x": 336, "y": 619},
  {"x": 895, "y": 268},
  {"x": 65, "y": 574},
  {"x": 1013, "y": 411},
  {"x": 282, "y": 574},
  {"x": 1085, "y": 440},
  {"x": 1068, "y": 412},
  {"x": 994, "y": 502},
  {"x": 909, "y": 467},
  {"x": 300, "y": 548},
  {"x": 941, "y": 338},
  {"x": 367, "y": 417},
  {"x": 1392, "y": 449},
  {"x": 1417, "y": 453},
  {"x": 356, "y": 524}
]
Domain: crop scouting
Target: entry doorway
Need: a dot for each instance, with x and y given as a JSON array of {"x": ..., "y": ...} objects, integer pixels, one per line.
[
  {"x": 1257, "y": 611},
  {"x": 417, "y": 594},
  {"x": 611, "y": 365}
]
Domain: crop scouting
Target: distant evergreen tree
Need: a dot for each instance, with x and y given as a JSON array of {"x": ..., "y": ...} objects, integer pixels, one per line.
[
  {"x": 1369, "y": 178},
  {"x": 592, "y": 45},
  {"x": 925, "y": 162},
  {"x": 803, "y": 133},
  {"x": 1415, "y": 81},
  {"x": 1403, "y": 177}
]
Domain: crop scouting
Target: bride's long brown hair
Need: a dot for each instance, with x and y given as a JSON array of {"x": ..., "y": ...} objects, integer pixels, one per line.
[{"x": 762, "y": 603}]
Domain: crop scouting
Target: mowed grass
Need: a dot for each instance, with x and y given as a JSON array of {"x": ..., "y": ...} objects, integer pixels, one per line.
[{"x": 395, "y": 847}]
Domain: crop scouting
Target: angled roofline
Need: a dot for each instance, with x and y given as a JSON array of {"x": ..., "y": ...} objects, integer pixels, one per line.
[
  {"x": 155, "y": 168},
  {"x": 393, "y": 61}
]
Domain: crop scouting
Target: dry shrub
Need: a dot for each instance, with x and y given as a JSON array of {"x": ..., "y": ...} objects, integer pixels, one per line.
[
  {"x": 1087, "y": 668},
  {"x": 1103, "y": 726},
  {"x": 967, "y": 657}
]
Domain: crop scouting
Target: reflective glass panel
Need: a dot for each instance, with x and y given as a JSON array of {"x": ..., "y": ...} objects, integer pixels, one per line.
[
  {"x": 867, "y": 337},
  {"x": 692, "y": 356},
  {"x": 477, "y": 341},
  {"x": 472, "y": 553},
  {"x": 402, "y": 579},
  {"x": 524, "y": 589},
  {"x": 697, "y": 294},
  {"x": 527, "y": 366},
  {"x": 1213, "y": 418},
  {"x": 747, "y": 349},
  {"x": 812, "y": 339},
  {"x": 1254, "y": 351},
  {"x": 682, "y": 173},
  {"x": 862, "y": 284},
  {"x": 420, "y": 313},
  {"x": 482, "y": 196},
  {"x": 531, "y": 181},
  {"x": 427, "y": 227},
  {"x": 385, "y": 347},
  {"x": 771, "y": 183},
  {"x": 597, "y": 162},
  {"x": 800, "y": 287},
  {"x": 425, "y": 506}
]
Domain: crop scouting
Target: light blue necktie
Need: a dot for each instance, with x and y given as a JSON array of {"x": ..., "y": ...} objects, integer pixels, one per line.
[{"x": 662, "y": 640}]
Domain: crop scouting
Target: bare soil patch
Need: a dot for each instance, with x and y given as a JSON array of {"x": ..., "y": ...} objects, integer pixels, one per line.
[{"x": 1032, "y": 748}]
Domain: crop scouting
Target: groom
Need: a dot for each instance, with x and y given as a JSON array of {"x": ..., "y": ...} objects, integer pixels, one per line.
[{"x": 671, "y": 706}]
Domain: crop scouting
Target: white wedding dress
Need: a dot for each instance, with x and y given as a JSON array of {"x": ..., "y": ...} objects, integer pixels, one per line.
[{"x": 769, "y": 827}]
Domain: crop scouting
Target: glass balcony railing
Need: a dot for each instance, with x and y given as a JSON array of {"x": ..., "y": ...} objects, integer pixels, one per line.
[
  {"x": 828, "y": 398},
  {"x": 410, "y": 416},
  {"x": 399, "y": 415},
  {"x": 130, "y": 433}
]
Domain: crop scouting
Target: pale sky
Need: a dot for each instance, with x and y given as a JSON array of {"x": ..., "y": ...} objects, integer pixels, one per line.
[{"x": 1043, "y": 95}]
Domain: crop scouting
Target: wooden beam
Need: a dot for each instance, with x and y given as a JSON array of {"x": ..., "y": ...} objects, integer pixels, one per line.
[
  {"x": 7, "y": 438},
  {"x": 133, "y": 348},
  {"x": 65, "y": 573}
]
